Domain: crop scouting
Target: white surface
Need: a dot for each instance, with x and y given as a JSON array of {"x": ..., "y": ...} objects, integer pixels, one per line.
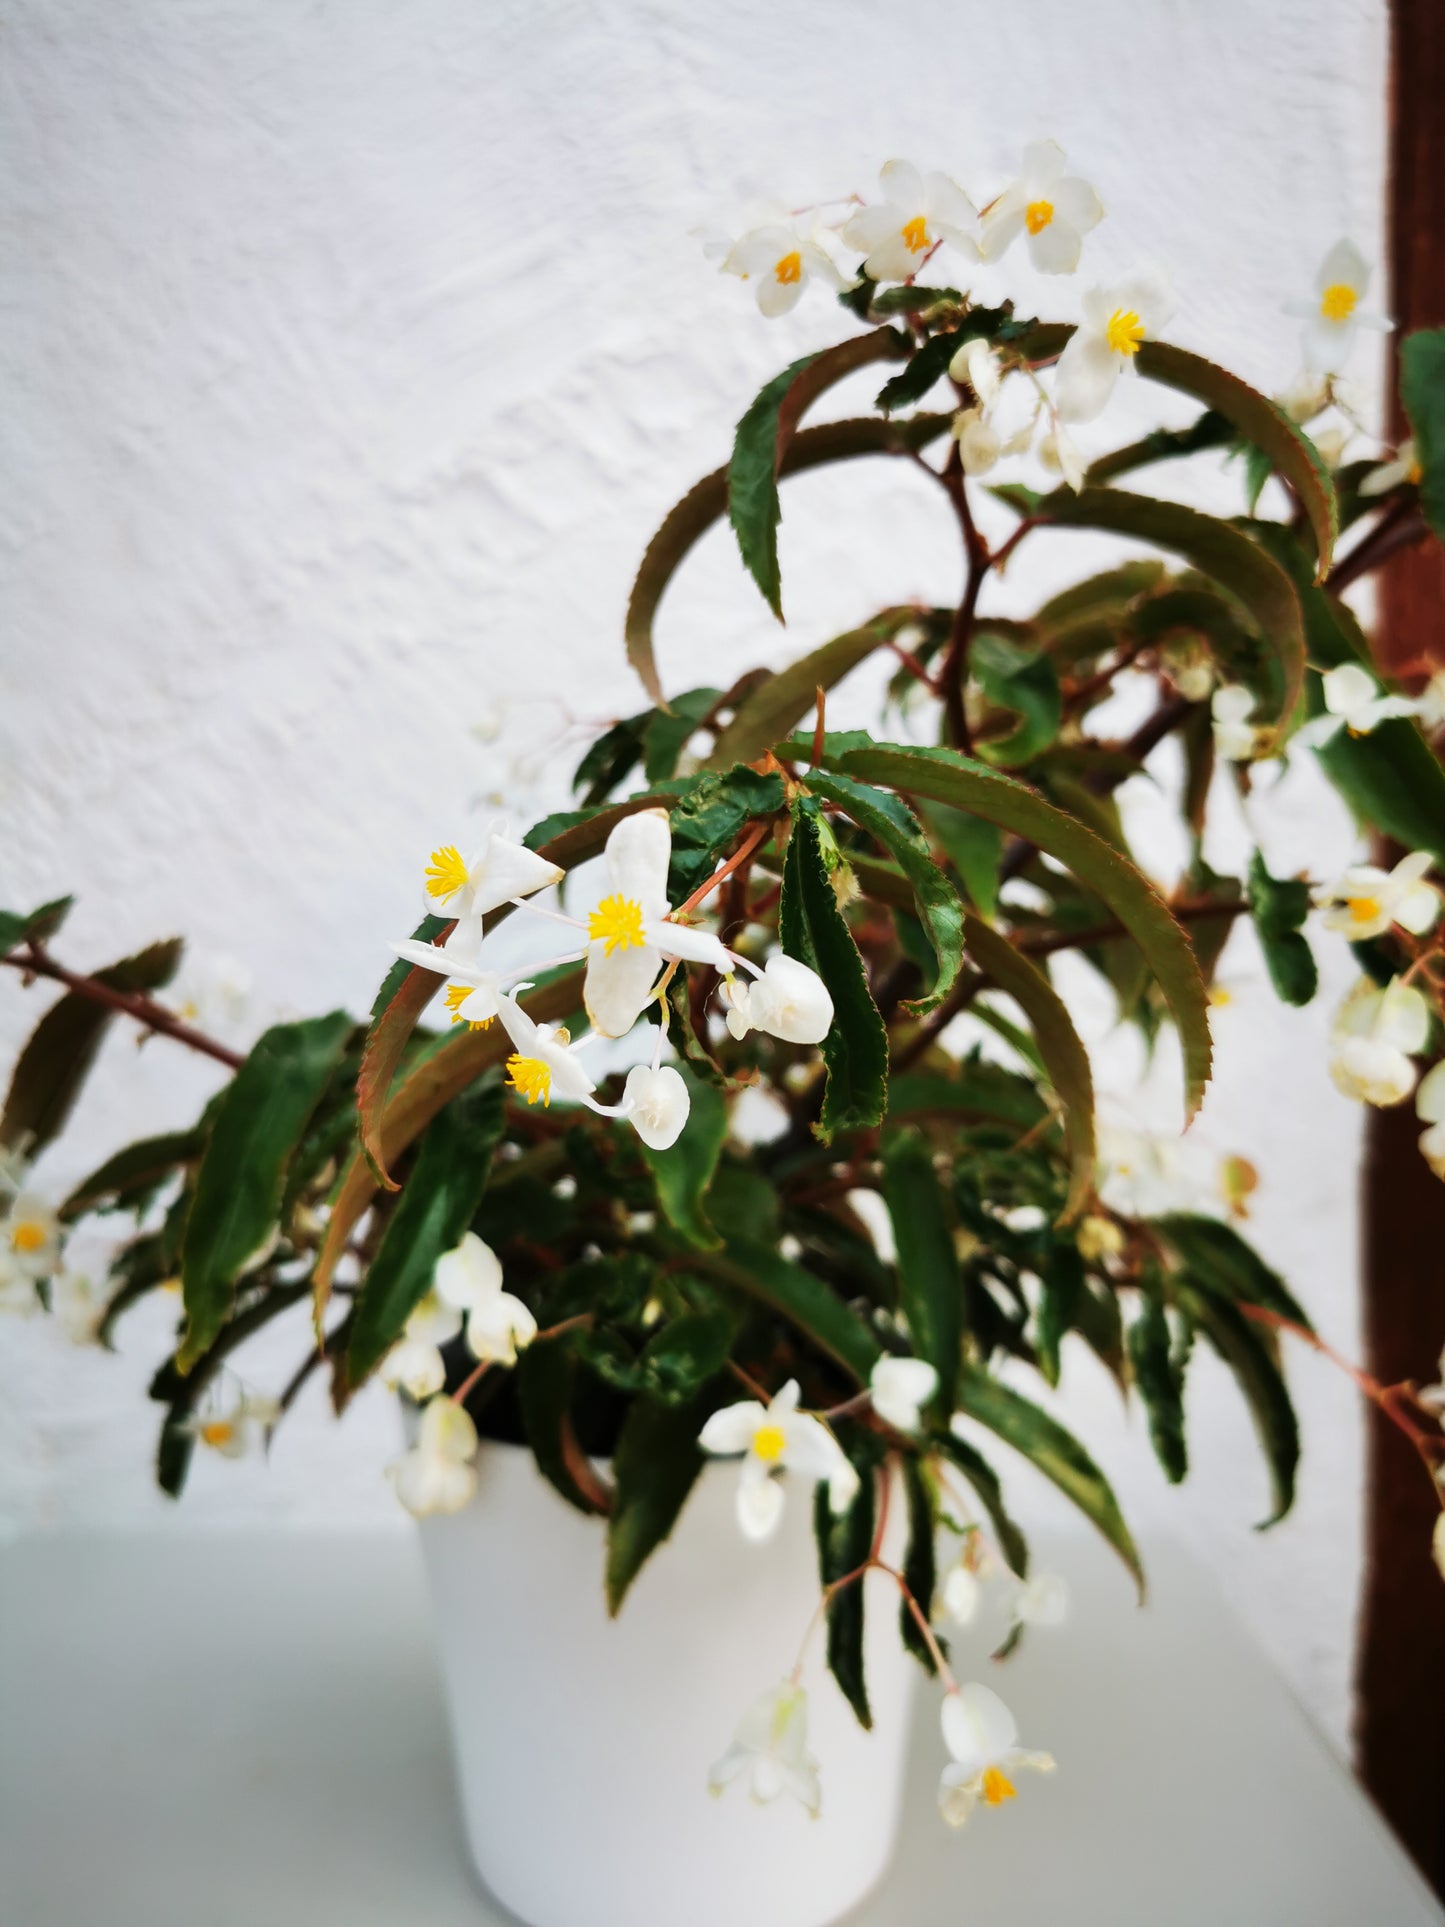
[
  {"x": 249, "y": 1728},
  {"x": 579, "y": 1737},
  {"x": 351, "y": 356}
]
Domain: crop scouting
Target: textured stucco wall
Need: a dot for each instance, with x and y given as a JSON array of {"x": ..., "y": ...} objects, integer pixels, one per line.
[{"x": 352, "y": 352}]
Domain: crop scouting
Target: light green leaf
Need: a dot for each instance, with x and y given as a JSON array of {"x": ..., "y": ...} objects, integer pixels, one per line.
[
  {"x": 974, "y": 847},
  {"x": 38, "y": 926},
  {"x": 1279, "y": 907},
  {"x": 1024, "y": 681}
]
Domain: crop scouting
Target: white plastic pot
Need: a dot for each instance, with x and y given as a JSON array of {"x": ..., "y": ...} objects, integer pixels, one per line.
[{"x": 583, "y": 1743}]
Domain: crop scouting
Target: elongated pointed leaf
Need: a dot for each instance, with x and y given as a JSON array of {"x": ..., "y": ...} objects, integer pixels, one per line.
[
  {"x": 1158, "y": 1379},
  {"x": 1260, "y": 1380},
  {"x": 844, "y": 1542},
  {"x": 257, "y": 1126},
  {"x": 1422, "y": 389},
  {"x": 707, "y": 502},
  {"x": 683, "y": 1172},
  {"x": 813, "y": 1307},
  {"x": 1279, "y": 907},
  {"x": 546, "y": 1375},
  {"x": 1222, "y": 1263},
  {"x": 133, "y": 1173},
  {"x": 930, "y": 1288},
  {"x": 1024, "y": 681},
  {"x": 988, "y": 1489},
  {"x": 34, "y": 926},
  {"x": 1056, "y": 1453},
  {"x": 655, "y": 1467},
  {"x": 920, "y": 1567},
  {"x": 776, "y": 706},
  {"x": 404, "y": 995}
]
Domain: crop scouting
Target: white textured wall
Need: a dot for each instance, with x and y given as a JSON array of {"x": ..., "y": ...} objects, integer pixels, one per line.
[{"x": 351, "y": 353}]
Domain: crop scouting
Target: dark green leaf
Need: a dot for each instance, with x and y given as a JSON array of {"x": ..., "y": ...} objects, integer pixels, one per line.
[
  {"x": 989, "y": 1492},
  {"x": 845, "y": 1540},
  {"x": 677, "y": 1361},
  {"x": 1024, "y": 681},
  {"x": 974, "y": 847},
  {"x": 929, "y": 363},
  {"x": 1220, "y": 1262},
  {"x": 684, "y": 1171},
  {"x": 1279, "y": 907},
  {"x": 37, "y": 927},
  {"x": 1245, "y": 1352},
  {"x": 668, "y": 730},
  {"x": 546, "y": 1374},
  {"x": 801, "y": 1297},
  {"x": 920, "y": 1571},
  {"x": 779, "y": 704},
  {"x": 708, "y": 821},
  {"x": 1160, "y": 1385},
  {"x": 654, "y": 1467},
  {"x": 608, "y": 760},
  {"x": 930, "y": 1290},
  {"x": 1061, "y": 1296},
  {"x": 132, "y": 1175},
  {"x": 1422, "y": 389}
]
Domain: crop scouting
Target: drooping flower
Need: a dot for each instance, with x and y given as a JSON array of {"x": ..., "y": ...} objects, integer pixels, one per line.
[
  {"x": 1040, "y": 1601},
  {"x": 1334, "y": 316},
  {"x": 472, "y": 992},
  {"x": 630, "y": 933},
  {"x": 1430, "y": 1109},
  {"x": 655, "y": 1102},
  {"x": 1353, "y": 701},
  {"x": 1404, "y": 467},
  {"x": 960, "y": 1593},
  {"x": 780, "y": 258},
  {"x": 981, "y": 1734},
  {"x": 917, "y": 213},
  {"x": 788, "y": 1000},
  {"x": 231, "y": 1430},
  {"x": 1053, "y": 209},
  {"x": 1117, "y": 322},
  {"x": 30, "y": 1235},
  {"x": 1365, "y": 901},
  {"x": 899, "y": 1388},
  {"x": 438, "y": 1473},
  {"x": 415, "y": 1364},
  {"x": 544, "y": 1062},
  {"x": 777, "y": 1437},
  {"x": 1307, "y": 397},
  {"x": 18, "y": 1294},
  {"x": 77, "y": 1306},
  {"x": 771, "y": 1747},
  {"x": 1059, "y": 452},
  {"x": 1375, "y": 1033},
  {"x": 503, "y": 872},
  {"x": 469, "y": 1279}
]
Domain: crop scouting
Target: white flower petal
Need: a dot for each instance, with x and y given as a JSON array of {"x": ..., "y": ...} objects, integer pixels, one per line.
[
  {"x": 617, "y": 989},
  {"x": 656, "y": 1103},
  {"x": 1085, "y": 377},
  {"x": 978, "y": 1729},
  {"x": 468, "y": 1275},
  {"x": 760, "y": 1504},
  {"x": 638, "y": 852},
  {"x": 731, "y": 1428}
]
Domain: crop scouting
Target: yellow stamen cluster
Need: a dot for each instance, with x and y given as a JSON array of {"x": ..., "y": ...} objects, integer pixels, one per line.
[
  {"x": 27, "y": 1236},
  {"x": 997, "y": 1787},
  {"x": 446, "y": 873},
  {"x": 1124, "y": 332},
  {"x": 1337, "y": 302},
  {"x": 768, "y": 1443},
  {"x": 789, "y": 268},
  {"x": 457, "y": 995},
  {"x": 1363, "y": 909},
  {"x": 1037, "y": 216},
  {"x": 915, "y": 234},
  {"x": 531, "y": 1077},
  {"x": 217, "y": 1432},
  {"x": 617, "y": 923}
]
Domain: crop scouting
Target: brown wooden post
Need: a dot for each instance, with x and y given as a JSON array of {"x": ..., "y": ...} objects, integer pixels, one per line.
[{"x": 1400, "y": 1675}]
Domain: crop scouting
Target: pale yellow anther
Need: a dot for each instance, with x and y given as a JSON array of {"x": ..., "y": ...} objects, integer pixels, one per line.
[
  {"x": 1124, "y": 332},
  {"x": 617, "y": 923},
  {"x": 1037, "y": 216},
  {"x": 218, "y": 1432},
  {"x": 1337, "y": 302},
  {"x": 446, "y": 873}
]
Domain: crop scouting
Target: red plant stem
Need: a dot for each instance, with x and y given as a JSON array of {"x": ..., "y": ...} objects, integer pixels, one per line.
[
  {"x": 750, "y": 842},
  {"x": 36, "y": 961},
  {"x": 1394, "y": 1401}
]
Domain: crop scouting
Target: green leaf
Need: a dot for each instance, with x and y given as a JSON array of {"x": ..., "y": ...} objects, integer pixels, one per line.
[
  {"x": 929, "y": 363},
  {"x": 1221, "y": 552},
  {"x": 60, "y": 1051},
  {"x": 1422, "y": 389},
  {"x": 989, "y": 1491},
  {"x": 1220, "y": 1262},
  {"x": 654, "y": 1467},
  {"x": 947, "y": 777},
  {"x": 812, "y": 928},
  {"x": 1024, "y": 681},
  {"x": 800, "y": 1297},
  {"x": 1055, "y": 1451},
  {"x": 974, "y": 847},
  {"x": 777, "y": 705},
  {"x": 684, "y": 1171},
  {"x": 668, "y": 730},
  {"x": 133, "y": 1174},
  {"x": 920, "y": 1568},
  {"x": 1060, "y": 1300},
  {"x": 1279, "y": 907},
  {"x": 703, "y": 505},
  {"x": 677, "y": 1361},
  {"x": 708, "y": 821},
  {"x": 891, "y": 823},
  {"x": 1259, "y": 1378},
  {"x": 1160, "y": 1383},
  {"x": 546, "y": 1374},
  {"x": 38, "y": 927},
  {"x": 845, "y": 1540},
  {"x": 762, "y": 440},
  {"x": 608, "y": 760},
  {"x": 257, "y": 1126},
  {"x": 930, "y": 1289},
  {"x": 435, "y": 1208}
]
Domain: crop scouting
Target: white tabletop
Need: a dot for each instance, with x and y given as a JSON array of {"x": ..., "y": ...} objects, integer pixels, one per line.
[{"x": 247, "y": 1731}]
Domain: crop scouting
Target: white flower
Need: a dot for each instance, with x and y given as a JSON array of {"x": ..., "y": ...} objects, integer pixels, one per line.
[
  {"x": 1059, "y": 452},
  {"x": 1098, "y": 1239},
  {"x": 1041, "y": 1601},
  {"x": 979, "y": 446},
  {"x": 212, "y": 993},
  {"x": 503, "y": 872},
  {"x": 78, "y": 1306},
  {"x": 30, "y": 1236},
  {"x": 788, "y": 1000},
  {"x": 777, "y": 1437},
  {"x": 18, "y": 1294},
  {"x": 231, "y": 1431},
  {"x": 1334, "y": 315},
  {"x": 469, "y": 1279},
  {"x": 977, "y": 364},
  {"x": 918, "y": 212},
  {"x": 629, "y": 932},
  {"x": 1432, "y": 1397},
  {"x": 472, "y": 993},
  {"x": 1309, "y": 397},
  {"x": 1430, "y": 703},
  {"x": 771, "y": 1744},
  {"x": 655, "y": 1102},
  {"x": 544, "y": 1063},
  {"x": 438, "y": 1473},
  {"x": 780, "y": 259},
  {"x": 1142, "y": 1174},
  {"x": 1055, "y": 210},
  {"x": 899, "y": 1387},
  {"x": 1405, "y": 467},
  {"x": 1374, "y": 1034},
  {"x": 1430, "y": 1108},
  {"x": 1117, "y": 322},
  {"x": 982, "y": 1736},
  {"x": 960, "y": 1593},
  {"x": 1352, "y": 701},
  {"x": 1364, "y": 902},
  {"x": 1235, "y": 737},
  {"x": 414, "y": 1364}
]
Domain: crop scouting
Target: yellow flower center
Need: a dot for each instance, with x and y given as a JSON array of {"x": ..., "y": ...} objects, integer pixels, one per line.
[
  {"x": 768, "y": 1443},
  {"x": 1124, "y": 332},
  {"x": 531, "y": 1077},
  {"x": 1337, "y": 303},
  {"x": 997, "y": 1787},
  {"x": 28, "y": 1236},
  {"x": 218, "y": 1432},
  {"x": 457, "y": 995},
  {"x": 446, "y": 873},
  {"x": 1037, "y": 216},
  {"x": 1414, "y": 474},
  {"x": 915, "y": 234},
  {"x": 1221, "y": 996},
  {"x": 789, "y": 268},
  {"x": 617, "y": 923},
  {"x": 1363, "y": 909}
]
